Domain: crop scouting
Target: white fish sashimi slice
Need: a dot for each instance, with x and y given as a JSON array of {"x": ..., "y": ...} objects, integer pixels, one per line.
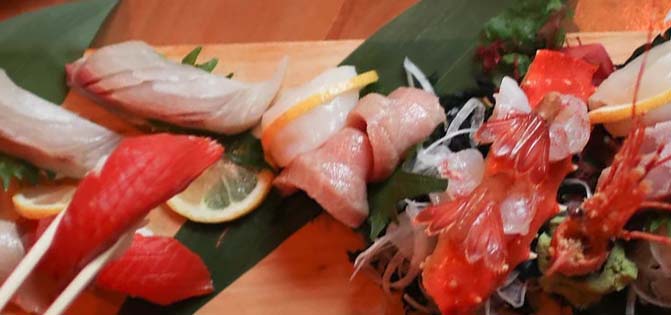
[
  {"x": 619, "y": 87},
  {"x": 132, "y": 78},
  {"x": 30, "y": 297},
  {"x": 11, "y": 248},
  {"x": 113, "y": 59},
  {"x": 311, "y": 130},
  {"x": 125, "y": 79},
  {"x": 48, "y": 135}
]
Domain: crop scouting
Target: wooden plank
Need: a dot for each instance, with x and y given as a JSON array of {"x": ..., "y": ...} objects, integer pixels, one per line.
[
  {"x": 619, "y": 45},
  {"x": 309, "y": 273}
]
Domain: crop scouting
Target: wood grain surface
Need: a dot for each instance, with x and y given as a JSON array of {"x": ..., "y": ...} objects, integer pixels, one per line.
[
  {"x": 168, "y": 22},
  {"x": 309, "y": 273}
]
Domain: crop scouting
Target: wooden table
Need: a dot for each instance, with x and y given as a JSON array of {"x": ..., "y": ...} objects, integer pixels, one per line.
[{"x": 168, "y": 22}]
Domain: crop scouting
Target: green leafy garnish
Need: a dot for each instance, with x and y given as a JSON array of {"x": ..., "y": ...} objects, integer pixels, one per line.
[
  {"x": 510, "y": 40},
  {"x": 384, "y": 196},
  {"x": 192, "y": 57},
  {"x": 209, "y": 65},
  {"x": 439, "y": 36},
  {"x": 14, "y": 168}
]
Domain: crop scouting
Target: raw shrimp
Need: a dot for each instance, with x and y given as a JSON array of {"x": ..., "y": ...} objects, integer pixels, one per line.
[
  {"x": 581, "y": 243},
  {"x": 485, "y": 234}
]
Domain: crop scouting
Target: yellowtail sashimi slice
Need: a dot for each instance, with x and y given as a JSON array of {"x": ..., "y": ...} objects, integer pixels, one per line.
[
  {"x": 304, "y": 118},
  {"x": 48, "y": 135},
  {"x": 171, "y": 92}
]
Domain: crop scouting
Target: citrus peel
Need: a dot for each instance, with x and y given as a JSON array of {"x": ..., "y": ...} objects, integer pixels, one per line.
[{"x": 615, "y": 113}]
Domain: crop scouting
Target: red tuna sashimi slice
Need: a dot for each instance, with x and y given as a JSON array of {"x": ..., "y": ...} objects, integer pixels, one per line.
[
  {"x": 595, "y": 54},
  {"x": 158, "y": 269},
  {"x": 139, "y": 175},
  {"x": 394, "y": 124},
  {"x": 334, "y": 175}
]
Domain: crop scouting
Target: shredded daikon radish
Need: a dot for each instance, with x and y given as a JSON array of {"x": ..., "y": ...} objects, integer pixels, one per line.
[{"x": 412, "y": 68}]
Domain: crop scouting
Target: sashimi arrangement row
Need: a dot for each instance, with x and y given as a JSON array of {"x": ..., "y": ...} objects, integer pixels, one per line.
[{"x": 330, "y": 151}]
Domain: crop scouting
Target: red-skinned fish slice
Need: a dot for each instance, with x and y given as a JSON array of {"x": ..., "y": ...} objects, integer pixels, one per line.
[
  {"x": 139, "y": 175},
  {"x": 553, "y": 71},
  {"x": 158, "y": 269},
  {"x": 595, "y": 54}
]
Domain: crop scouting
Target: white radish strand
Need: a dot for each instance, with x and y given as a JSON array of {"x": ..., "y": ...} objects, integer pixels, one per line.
[
  {"x": 631, "y": 302},
  {"x": 413, "y": 69},
  {"x": 575, "y": 181},
  {"x": 463, "y": 114},
  {"x": 513, "y": 291},
  {"x": 408, "y": 245}
]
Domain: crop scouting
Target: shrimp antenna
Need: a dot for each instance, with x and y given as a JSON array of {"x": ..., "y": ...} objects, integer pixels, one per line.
[{"x": 639, "y": 76}]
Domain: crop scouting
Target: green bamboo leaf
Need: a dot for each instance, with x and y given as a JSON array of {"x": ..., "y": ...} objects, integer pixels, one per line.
[
  {"x": 383, "y": 197},
  {"x": 438, "y": 35},
  {"x": 34, "y": 47}
]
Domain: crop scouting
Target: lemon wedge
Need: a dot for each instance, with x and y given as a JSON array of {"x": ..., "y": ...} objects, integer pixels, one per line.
[
  {"x": 40, "y": 202},
  {"x": 312, "y": 101},
  {"x": 224, "y": 192},
  {"x": 615, "y": 113}
]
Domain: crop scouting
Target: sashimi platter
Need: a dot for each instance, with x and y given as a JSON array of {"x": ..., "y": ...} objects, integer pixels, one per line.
[{"x": 496, "y": 166}]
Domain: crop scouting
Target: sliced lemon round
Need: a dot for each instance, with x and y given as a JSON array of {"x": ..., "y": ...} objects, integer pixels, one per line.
[
  {"x": 40, "y": 202},
  {"x": 224, "y": 192},
  {"x": 312, "y": 101},
  {"x": 615, "y": 113}
]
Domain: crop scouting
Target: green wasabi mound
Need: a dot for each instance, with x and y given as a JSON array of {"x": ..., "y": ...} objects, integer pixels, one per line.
[{"x": 581, "y": 292}]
